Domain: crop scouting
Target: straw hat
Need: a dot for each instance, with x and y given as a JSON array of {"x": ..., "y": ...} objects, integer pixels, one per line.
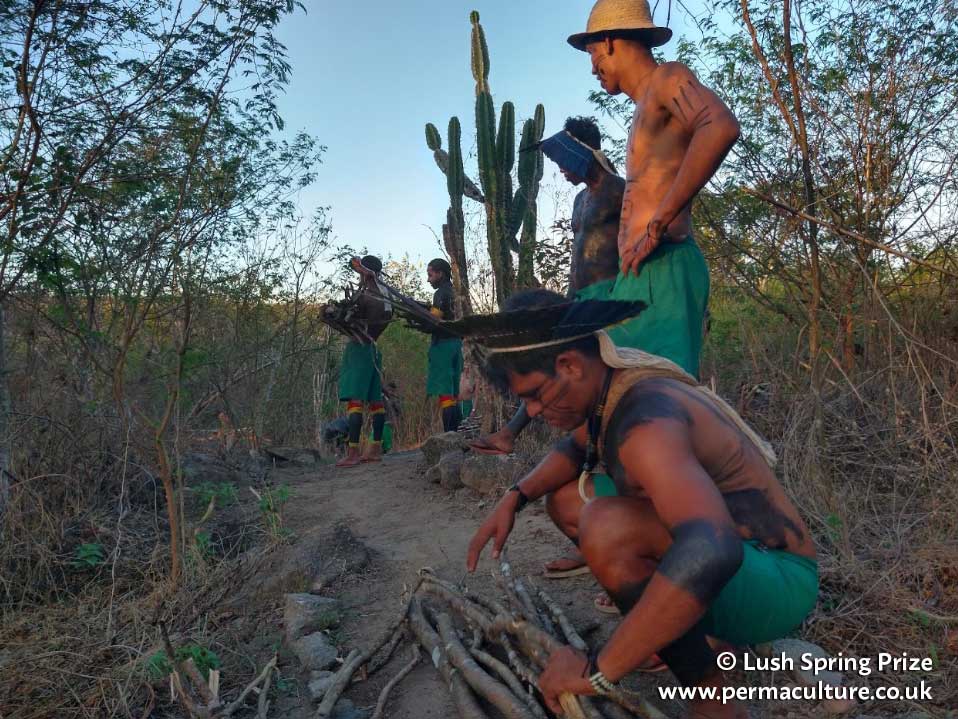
[{"x": 629, "y": 19}]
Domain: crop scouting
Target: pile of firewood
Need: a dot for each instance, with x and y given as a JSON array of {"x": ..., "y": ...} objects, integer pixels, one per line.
[{"x": 488, "y": 651}]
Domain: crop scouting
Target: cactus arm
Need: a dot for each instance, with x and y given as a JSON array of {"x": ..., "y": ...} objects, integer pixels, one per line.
[
  {"x": 480, "y": 55},
  {"x": 506, "y": 139},
  {"x": 433, "y": 141}
]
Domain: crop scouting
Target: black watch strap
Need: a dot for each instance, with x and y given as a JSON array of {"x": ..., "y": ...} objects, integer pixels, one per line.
[{"x": 523, "y": 499}]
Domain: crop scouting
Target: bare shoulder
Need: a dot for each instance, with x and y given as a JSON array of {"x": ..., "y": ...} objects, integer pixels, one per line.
[
  {"x": 649, "y": 403},
  {"x": 669, "y": 77}
]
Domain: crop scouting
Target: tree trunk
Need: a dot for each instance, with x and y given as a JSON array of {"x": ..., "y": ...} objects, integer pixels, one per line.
[{"x": 4, "y": 420}]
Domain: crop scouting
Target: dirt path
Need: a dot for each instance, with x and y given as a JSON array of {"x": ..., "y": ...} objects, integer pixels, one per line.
[{"x": 407, "y": 523}]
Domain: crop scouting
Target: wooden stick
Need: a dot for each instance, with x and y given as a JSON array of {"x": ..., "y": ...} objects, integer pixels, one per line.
[
  {"x": 345, "y": 673},
  {"x": 490, "y": 605},
  {"x": 543, "y": 645},
  {"x": 339, "y": 683},
  {"x": 493, "y": 691},
  {"x": 463, "y": 698},
  {"x": 391, "y": 684},
  {"x": 378, "y": 662},
  {"x": 249, "y": 687},
  {"x": 544, "y": 617},
  {"x": 511, "y": 680},
  {"x": 568, "y": 629},
  {"x": 263, "y": 705},
  {"x": 471, "y": 613}
]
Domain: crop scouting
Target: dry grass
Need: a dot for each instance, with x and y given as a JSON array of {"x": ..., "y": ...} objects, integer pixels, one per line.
[{"x": 872, "y": 464}]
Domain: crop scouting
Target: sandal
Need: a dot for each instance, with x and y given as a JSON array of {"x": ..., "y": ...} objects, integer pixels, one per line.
[{"x": 602, "y": 606}]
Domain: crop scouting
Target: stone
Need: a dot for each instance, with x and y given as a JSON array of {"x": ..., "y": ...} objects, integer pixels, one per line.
[
  {"x": 303, "y": 456},
  {"x": 307, "y": 613},
  {"x": 487, "y": 474},
  {"x": 315, "y": 651},
  {"x": 345, "y": 709},
  {"x": 319, "y": 682},
  {"x": 439, "y": 444},
  {"x": 198, "y": 467},
  {"x": 450, "y": 466},
  {"x": 433, "y": 475}
]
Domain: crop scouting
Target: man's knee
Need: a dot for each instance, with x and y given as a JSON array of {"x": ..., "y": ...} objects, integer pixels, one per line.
[
  {"x": 621, "y": 539},
  {"x": 563, "y": 506}
]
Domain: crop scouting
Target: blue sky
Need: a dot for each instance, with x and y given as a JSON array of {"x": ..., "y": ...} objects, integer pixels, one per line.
[{"x": 367, "y": 77}]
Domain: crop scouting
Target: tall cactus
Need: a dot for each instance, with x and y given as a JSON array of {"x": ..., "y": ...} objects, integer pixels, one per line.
[
  {"x": 506, "y": 211},
  {"x": 454, "y": 230}
]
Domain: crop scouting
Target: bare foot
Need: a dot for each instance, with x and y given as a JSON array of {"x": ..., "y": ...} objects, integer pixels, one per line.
[
  {"x": 603, "y": 602},
  {"x": 571, "y": 565},
  {"x": 500, "y": 442}
]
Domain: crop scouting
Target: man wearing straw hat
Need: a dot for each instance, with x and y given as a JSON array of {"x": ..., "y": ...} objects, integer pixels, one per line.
[
  {"x": 699, "y": 539},
  {"x": 681, "y": 132}
]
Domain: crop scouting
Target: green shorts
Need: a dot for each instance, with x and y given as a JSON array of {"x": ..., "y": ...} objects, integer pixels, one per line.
[
  {"x": 674, "y": 282},
  {"x": 360, "y": 376},
  {"x": 769, "y": 596},
  {"x": 445, "y": 368}
]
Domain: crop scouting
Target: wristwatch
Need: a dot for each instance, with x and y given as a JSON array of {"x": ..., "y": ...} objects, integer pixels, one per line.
[{"x": 523, "y": 499}]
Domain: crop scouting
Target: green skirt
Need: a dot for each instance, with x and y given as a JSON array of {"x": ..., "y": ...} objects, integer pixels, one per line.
[
  {"x": 445, "y": 368},
  {"x": 360, "y": 376},
  {"x": 674, "y": 282}
]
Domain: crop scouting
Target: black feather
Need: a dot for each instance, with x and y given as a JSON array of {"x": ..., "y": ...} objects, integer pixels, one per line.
[{"x": 542, "y": 324}]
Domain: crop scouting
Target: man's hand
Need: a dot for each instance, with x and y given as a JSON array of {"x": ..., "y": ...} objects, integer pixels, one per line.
[
  {"x": 497, "y": 525},
  {"x": 566, "y": 672},
  {"x": 635, "y": 254}
]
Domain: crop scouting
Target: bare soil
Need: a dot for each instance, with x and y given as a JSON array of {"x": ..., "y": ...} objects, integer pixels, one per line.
[{"x": 402, "y": 523}]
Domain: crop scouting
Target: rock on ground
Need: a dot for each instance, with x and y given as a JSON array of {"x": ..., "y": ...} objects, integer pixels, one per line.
[
  {"x": 439, "y": 444},
  {"x": 319, "y": 682},
  {"x": 486, "y": 473},
  {"x": 450, "y": 466},
  {"x": 200, "y": 467},
  {"x": 307, "y": 613},
  {"x": 315, "y": 651}
]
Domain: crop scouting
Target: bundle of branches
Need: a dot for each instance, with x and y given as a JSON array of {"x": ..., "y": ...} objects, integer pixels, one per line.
[
  {"x": 342, "y": 315},
  {"x": 488, "y": 651}
]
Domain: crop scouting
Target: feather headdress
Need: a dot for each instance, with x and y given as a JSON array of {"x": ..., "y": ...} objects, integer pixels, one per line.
[{"x": 528, "y": 329}]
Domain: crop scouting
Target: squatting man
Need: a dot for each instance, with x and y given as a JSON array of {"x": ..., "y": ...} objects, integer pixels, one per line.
[{"x": 700, "y": 540}]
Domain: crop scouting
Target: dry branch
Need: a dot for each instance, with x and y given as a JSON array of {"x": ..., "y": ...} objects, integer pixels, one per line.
[
  {"x": 353, "y": 660},
  {"x": 263, "y": 677},
  {"x": 493, "y": 691},
  {"x": 391, "y": 684},
  {"x": 463, "y": 698},
  {"x": 568, "y": 629},
  {"x": 511, "y": 680},
  {"x": 345, "y": 673},
  {"x": 378, "y": 662}
]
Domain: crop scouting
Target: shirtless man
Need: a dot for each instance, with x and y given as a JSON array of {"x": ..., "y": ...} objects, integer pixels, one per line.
[
  {"x": 681, "y": 132},
  {"x": 594, "y": 264},
  {"x": 700, "y": 539}
]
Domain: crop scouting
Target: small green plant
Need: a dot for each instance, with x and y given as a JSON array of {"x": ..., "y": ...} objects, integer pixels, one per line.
[
  {"x": 158, "y": 665},
  {"x": 222, "y": 493},
  {"x": 203, "y": 544},
  {"x": 834, "y": 524},
  {"x": 271, "y": 504},
  {"x": 88, "y": 556}
]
